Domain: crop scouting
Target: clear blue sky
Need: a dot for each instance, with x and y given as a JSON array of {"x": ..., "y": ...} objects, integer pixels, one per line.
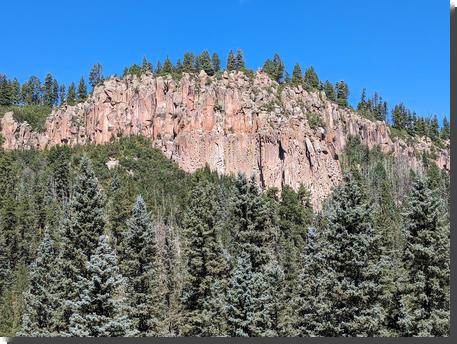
[{"x": 398, "y": 48}]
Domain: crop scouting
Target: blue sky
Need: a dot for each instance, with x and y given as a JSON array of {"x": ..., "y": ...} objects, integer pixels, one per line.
[{"x": 398, "y": 48}]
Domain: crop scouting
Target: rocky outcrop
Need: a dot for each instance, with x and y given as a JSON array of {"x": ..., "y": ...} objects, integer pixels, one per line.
[{"x": 231, "y": 123}]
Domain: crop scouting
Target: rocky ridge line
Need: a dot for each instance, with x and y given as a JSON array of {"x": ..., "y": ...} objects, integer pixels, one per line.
[{"x": 231, "y": 123}]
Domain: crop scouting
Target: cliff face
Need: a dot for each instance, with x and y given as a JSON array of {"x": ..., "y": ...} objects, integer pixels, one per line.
[{"x": 234, "y": 123}]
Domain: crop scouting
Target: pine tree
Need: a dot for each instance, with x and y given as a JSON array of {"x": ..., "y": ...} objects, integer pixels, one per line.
[
  {"x": 425, "y": 303},
  {"x": 216, "y": 62},
  {"x": 188, "y": 62},
  {"x": 205, "y": 262},
  {"x": 5, "y": 91},
  {"x": 342, "y": 93},
  {"x": 248, "y": 301},
  {"x": 146, "y": 66},
  {"x": 80, "y": 231},
  {"x": 82, "y": 90},
  {"x": 329, "y": 91},
  {"x": 15, "y": 92},
  {"x": 311, "y": 79},
  {"x": 240, "y": 60},
  {"x": 399, "y": 116},
  {"x": 167, "y": 67},
  {"x": 204, "y": 62},
  {"x": 71, "y": 95},
  {"x": 48, "y": 96},
  {"x": 145, "y": 293},
  {"x": 96, "y": 75},
  {"x": 41, "y": 296},
  {"x": 231, "y": 62},
  {"x": 274, "y": 68},
  {"x": 446, "y": 129},
  {"x": 253, "y": 223},
  {"x": 349, "y": 283},
  {"x": 100, "y": 309},
  {"x": 55, "y": 92},
  {"x": 297, "y": 75}
]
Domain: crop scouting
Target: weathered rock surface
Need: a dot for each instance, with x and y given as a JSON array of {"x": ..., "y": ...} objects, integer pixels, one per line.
[{"x": 234, "y": 123}]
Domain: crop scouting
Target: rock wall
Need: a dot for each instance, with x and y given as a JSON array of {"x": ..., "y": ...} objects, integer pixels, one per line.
[{"x": 232, "y": 123}]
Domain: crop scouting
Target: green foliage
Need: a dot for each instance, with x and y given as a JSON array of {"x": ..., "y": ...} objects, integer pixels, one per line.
[
  {"x": 274, "y": 68},
  {"x": 314, "y": 120},
  {"x": 100, "y": 309},
  {"x": 425, "y": 303},
  {"x": 205, "y": 263},
  {"x": 142, "y": 268},
  {"x": 82, "y": 90},
  {"x": 96, "y": 75},
  {"x": 297, "y": 75},
  {"x": 310, "y": 79},
  {"x": 35, "y": 115}
]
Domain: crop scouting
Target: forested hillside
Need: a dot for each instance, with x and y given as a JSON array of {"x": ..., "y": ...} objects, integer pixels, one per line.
[{"x": 137, "y": 247}]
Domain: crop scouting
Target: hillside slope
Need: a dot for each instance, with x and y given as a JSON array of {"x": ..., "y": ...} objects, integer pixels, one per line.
[{"x": 282, "y": 134}]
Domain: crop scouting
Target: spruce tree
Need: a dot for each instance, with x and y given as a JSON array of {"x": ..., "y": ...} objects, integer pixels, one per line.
[
  {"x": 329, "y": 91},
  {"x": 297, "y": 76},
  {"x": 311, "y": 79},
  {"x": 240, "y": 65},
  {"x": 80, "y": 230},
  {"x": 145, "y": 291},
  {"x": 188, "y": 62},
  {"x": 100, "y": 309},
  {"x": 55, "y": 93},
  {"x": 205, "y": 263},
  {"x": 71, "y": 95},
  {"x": 231, "y": 61},
  {"x": 249, "y": 301},
  {"x": 216, "y": 62},
  {"x": 342, "y": 93},
  {"x": 41, "y": 297},
  {"x": 424, "y": 285},
  {"x": 96, "y": 75},
  {"x": 253, "y": 223},
  {"x": 48, "y": 97},
  {"x": 204, "y": 61},
  {"x": 146, "y": 66},
  {"x": 82, "y": 90},
  {"x": 350, "y": 285},
  {"x": 167, "y": 67}
]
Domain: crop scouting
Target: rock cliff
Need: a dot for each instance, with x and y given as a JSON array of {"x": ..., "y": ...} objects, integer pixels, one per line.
[{"x": 284, "y": 135}]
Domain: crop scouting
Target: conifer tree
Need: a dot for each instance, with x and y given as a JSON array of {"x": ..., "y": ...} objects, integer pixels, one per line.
[
  {"x": 167, "y": 67},
  {"x": 204, "y": 62},
  {"x": 231, "y": 61},
  {"x": 55, "y": 92},
  {"x": 188, "y": 62},
  {"x": 146, "y": 66},
  {"x": 145, "y": 292},
  {"x": 249, "y": 301},
  {"x": 350, "y": 285},
  {"x": 205, "y": 262},
  {"x": 446, "y": 129},
  {"x": 297, "y": 76},
  {"x": 62, "y": 94},
  {"x": 80, "y": 231},
  {"x": 240, "y": 65},
  {"x": 82, "y": 90},
  {"x": 329, "y": 91},
  {"x": 5, "y": 90},
  {"x": 48, "y": 95},
  {"x": 425, "y": 282},
  {"x": 15, "y": 92},
  {"x": 96, "y": 75},
  {"x": 253, "y": 224},
  {"x": 71, "y": 95},
  {"x": 41, "y": 297},
  {"x": 342, "y": 93},
  {"x": 100, "y": 309},
  {"x": 311, "y": 79},
  {"x": 216, "y": 62}
]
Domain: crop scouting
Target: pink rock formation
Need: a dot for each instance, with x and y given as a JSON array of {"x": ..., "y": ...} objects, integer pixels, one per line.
[{"x": 234, "y": 123}]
